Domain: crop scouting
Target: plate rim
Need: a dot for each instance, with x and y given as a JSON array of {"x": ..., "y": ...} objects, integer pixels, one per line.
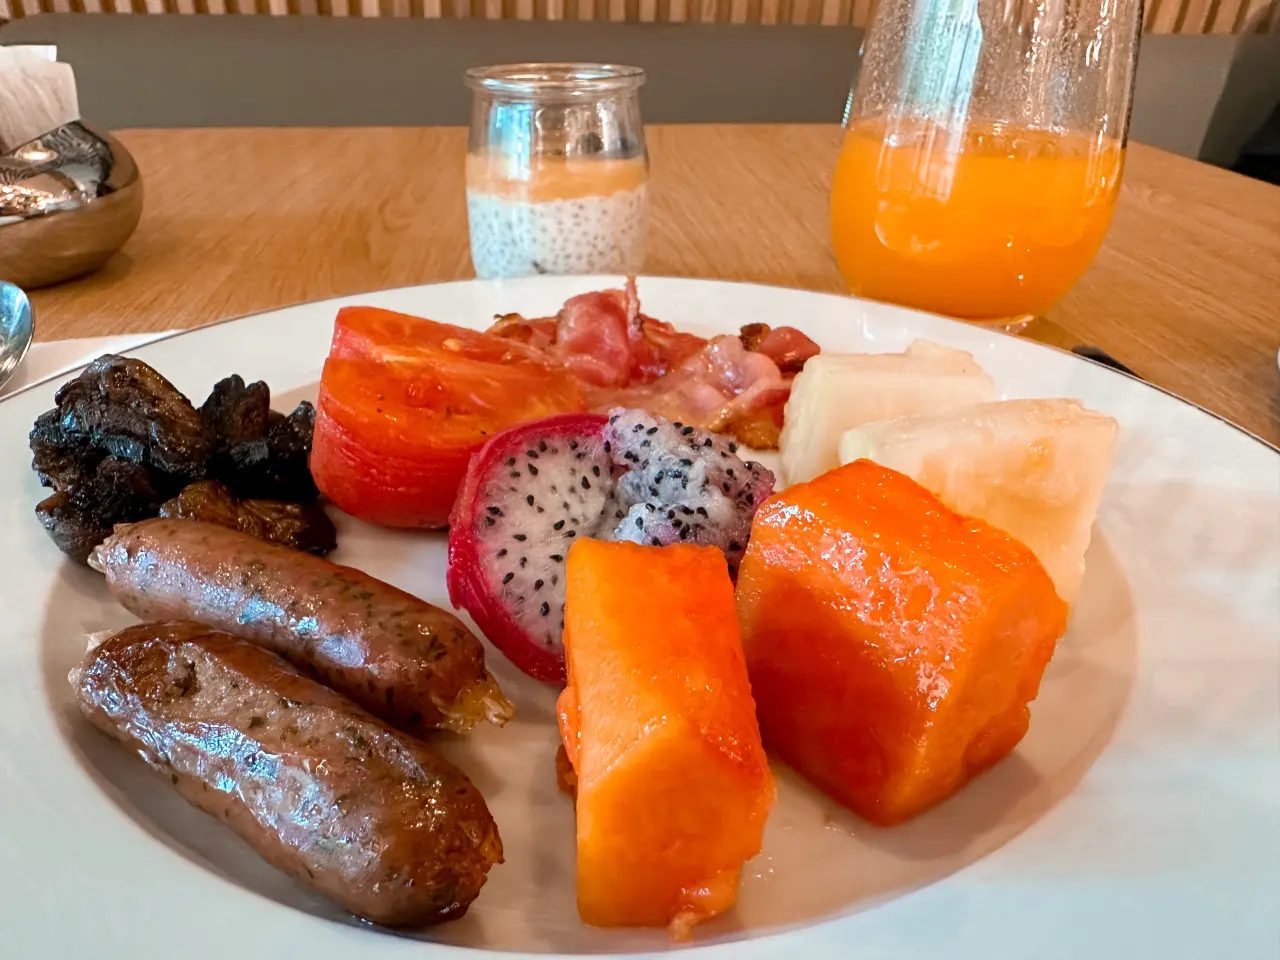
[{"x": 174, "y": 334}]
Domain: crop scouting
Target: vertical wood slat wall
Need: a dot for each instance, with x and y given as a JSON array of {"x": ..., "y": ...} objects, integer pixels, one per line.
[{"x": 1162, "y": 16}]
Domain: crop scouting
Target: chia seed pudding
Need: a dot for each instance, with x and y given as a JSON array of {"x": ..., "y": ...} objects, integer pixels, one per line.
[{"x": 563, "y": 218}]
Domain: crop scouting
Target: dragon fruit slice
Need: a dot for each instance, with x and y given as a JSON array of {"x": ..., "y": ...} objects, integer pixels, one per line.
[{"x": 535, "y": 488}]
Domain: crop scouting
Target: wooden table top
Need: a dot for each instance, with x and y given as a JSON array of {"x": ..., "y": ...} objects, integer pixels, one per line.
[{"x": 1186, "y": 290}]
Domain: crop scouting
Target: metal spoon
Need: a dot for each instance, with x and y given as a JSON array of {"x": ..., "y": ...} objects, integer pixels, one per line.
[{"x": 17, "y": 326}]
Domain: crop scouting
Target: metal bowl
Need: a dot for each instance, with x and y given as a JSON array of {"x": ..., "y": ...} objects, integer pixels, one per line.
[{"x": 68, "y": 200}]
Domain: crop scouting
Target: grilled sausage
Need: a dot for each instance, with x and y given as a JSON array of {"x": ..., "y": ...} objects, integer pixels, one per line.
[
  {"x": 403, "y": 660},
  {"x": 319, "y": 788}
]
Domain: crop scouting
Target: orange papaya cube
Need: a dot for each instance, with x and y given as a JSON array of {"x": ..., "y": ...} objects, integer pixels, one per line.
[
  {"x": 673, "y": 787},
  {"x": 893, "y": 644}
]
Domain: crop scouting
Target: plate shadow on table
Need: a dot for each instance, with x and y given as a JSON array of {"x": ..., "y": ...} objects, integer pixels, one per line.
[{"x": 818, "y": 861}]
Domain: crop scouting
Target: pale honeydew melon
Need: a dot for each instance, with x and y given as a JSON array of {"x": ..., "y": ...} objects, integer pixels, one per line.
[
  {"x": 957, "y": 361},
  {"x": 1033, "y": 468},
  {"x": 835, "y": 392}
]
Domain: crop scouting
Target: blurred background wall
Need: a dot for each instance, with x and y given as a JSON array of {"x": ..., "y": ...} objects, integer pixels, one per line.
[{"x": 1208, "y": 76}]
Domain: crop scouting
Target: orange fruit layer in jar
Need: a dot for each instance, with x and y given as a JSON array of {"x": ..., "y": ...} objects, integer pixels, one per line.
[
  {"x": 543, "y": 177},
  {"x": 990, "y": 222}
]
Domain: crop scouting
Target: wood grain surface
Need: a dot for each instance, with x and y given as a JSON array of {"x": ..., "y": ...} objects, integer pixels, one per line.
[
  {"x": 1186, "y": 290},
  {"x": 1162, "y": 16}
]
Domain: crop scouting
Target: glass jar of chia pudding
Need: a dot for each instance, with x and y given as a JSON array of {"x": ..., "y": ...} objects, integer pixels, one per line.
[{"x": 557, "y": 171}]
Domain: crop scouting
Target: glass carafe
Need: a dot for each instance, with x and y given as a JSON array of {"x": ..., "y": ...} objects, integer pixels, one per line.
[{"x": 983, "y": 147}]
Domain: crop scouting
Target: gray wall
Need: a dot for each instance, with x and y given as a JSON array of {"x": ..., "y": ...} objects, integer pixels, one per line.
[
  {"x": 319, "y": 71},
  {"x": 1196, "y": 95}
]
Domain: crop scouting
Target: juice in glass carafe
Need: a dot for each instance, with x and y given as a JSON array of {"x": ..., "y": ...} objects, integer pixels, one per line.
[
  {"x": 983, "y": 149},
  {"x": 996, "y": 222}
]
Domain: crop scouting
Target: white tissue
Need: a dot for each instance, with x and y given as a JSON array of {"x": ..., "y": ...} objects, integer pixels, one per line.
[
  {"x": 37, "y": 94},
  {"x": 46, "y": 53}
]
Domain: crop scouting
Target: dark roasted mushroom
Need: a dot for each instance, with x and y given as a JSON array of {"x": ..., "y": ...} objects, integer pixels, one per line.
[
  {"x": 235, "y": 413},
  {"x": 122, "y": 440},
  {"x": 61, "y": 459},
  {"x": 118, "y": 491},
  {"x": 303, "y": 526},
  {"x": 276, "y": 465},
  {"x": 125, "y": 408}
]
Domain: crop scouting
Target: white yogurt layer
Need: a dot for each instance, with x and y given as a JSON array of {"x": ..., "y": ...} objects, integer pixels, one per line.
[{"x": 517, "y": 238}]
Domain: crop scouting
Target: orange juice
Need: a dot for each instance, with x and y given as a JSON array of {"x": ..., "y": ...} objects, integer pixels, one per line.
[{"x": 991, "y": 222}]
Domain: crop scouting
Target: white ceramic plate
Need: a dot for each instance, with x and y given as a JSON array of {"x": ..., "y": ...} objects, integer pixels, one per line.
[{"x": 1140, "y": 818}]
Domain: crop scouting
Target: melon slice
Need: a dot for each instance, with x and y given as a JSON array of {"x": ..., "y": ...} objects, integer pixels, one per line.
[
  {"x": 1035, "y": 469},
  {"x": 836, "y": 392},
  {"x": 658, "y": 722}
]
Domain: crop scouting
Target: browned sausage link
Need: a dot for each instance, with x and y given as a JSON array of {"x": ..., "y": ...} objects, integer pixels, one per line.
[
  {"x": 319, "y": 788},
  {"x": 412, "y": 664}
]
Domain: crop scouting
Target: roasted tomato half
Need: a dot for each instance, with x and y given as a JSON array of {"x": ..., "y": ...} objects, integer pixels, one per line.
[
  {"x": 404, "y": 402},
  {"x": 370, "y": 333}
]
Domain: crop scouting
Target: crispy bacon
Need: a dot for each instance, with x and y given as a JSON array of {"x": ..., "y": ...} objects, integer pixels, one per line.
[
  {"x": 604, "y": 339},
  {"x": 592, "y": 339},
  {"x": 721, "y": 384},
  {"x": 656, "y": 347},
  {"x": 538, "y": 334},
  {"x": 735, "y": 385},
  {"x": 760, "y": 430},
  {"x": 752, "y": 333},
  {"x": 785, "y": 346},
  {"x": 659, "y": 349}
]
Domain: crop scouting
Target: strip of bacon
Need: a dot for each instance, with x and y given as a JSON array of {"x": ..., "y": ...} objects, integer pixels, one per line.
[
  {"x": 656, "y": 347},
  {"x": 785, "y": 346},
  {"x": 759, "y": 430},
  {"x": 538, "y": 334},
  {"x": 736, "y": 385},
  {"x": 659, "y": 349},
  {"x": 722, "y": 384},
  {"x": 592, "y": 339},
  {"x": 603, "y": 339}
]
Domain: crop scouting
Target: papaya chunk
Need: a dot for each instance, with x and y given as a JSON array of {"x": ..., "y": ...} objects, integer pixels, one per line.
[
  {"x": 658, "y": 723},
  {"x": 893, "y": 645}
]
